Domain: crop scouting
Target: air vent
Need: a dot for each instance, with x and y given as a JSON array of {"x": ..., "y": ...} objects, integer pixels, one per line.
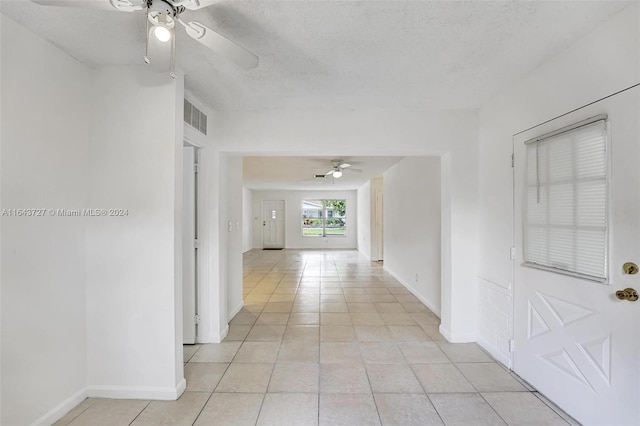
[
  {"x": 194, "y": 117},
  {"x": 320, "y": 176}
]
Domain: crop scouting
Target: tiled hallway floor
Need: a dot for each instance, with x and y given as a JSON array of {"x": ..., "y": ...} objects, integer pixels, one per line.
[{"x": 326, "y": 337}]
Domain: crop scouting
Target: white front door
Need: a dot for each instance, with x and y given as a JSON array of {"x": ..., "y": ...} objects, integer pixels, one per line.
[
  {"x": 189, "y": 247},
  {"x": 574, "y": 340},
  {"x": 273, "y": 224}
]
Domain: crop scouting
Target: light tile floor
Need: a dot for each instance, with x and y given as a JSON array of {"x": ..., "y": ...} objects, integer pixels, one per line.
[{"x": 328, "y": 338}]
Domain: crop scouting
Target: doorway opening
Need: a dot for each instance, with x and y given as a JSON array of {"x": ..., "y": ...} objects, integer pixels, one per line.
[{"x": 190, "y": 317}]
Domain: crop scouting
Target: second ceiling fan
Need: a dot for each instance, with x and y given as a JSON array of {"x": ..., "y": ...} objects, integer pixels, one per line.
[{"x": 338, "y": 166}]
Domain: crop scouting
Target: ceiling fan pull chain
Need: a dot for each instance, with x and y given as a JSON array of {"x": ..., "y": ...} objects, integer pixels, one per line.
[
  {"x": 172, "y": 71},
  {"x": 146, "y": 45}
]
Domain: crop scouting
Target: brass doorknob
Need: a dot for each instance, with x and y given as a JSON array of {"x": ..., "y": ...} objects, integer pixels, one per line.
[
  {"x": 627, "y": 294},
  {"x": 630, "y": 268}
]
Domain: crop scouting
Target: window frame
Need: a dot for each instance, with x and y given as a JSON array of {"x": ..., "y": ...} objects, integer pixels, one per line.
[
  {"x": 324, "y": 217},
  {"x": 607, "y": 200}
]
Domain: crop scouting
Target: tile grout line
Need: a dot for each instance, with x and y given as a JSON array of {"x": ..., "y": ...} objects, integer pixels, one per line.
[
  {"x": 319, "y": 361},
  {"x": 476, "y": 389},
  {"x": 264, "y": 395},
  {"x": 491, "y": 406},
  {"x": 145, "y": 407},
  {"x": 80, "y": 413},
  {"x": 554, "y": 408},
  {"x": 203, "y": 407},
  {"x": 422, "y": 386},
  {"x": 320, "y": 293}
]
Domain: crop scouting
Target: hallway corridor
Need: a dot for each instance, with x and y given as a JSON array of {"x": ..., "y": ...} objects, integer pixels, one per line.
[{"x": 327, "y": 337}]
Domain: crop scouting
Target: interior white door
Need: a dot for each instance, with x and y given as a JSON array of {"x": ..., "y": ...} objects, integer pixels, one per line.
[
  {"x": 189, "y": 247},
  {"x": 574, "y": 340},
  {"x": 273, "y": 224},
  {"x": 379, "y": 212}
]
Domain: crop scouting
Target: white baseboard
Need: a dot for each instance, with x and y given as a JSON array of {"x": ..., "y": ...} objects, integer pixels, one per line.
[
  {"x": 426, "y": 302},
  {"x": 116, "y": 392},
  {"x": 364, "y": 254},
  {"x": 182, "y": 386},
  {"x": 223, "y": 333},
  {"x": 63, "y": 408},
  {"x": 499, "y": 356},
  {"x": 451, "y": 337},
  {"x": 234, "y": 311},
  {"x": 216, "y": 337},
  {"x": 456, "y": 337},
  {"x": 137, "y": 392},
  {"x": 219, "y": 337},
  {"x": 445, "y": 333}
]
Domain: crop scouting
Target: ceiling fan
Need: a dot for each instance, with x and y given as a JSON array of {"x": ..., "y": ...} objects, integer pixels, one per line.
[
  {"x": 162, "y": 16},
  {"x": 338, "y": 166}
]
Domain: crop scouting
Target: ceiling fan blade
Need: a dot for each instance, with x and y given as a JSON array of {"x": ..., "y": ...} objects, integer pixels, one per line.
[
  {"x": 345, "y": 165},
  {"x": 109, "y": 5},
  {"x": 194, "y": 4},
  {"x": 355, "y": 170},
  {"x": 220, "y": 44},
  {"x": 330, "y": 172}
]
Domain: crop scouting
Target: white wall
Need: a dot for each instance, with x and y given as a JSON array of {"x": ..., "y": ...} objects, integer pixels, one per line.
[
  {"x": 218, "y": 196},
  {"x": 247, "y": 219},
  {"x": 212, "y": 243},
  {"x": 367, "y": 220},
  {"x": 364, "y": 219},
  {"x": 45, "y": 129},
  {"x": 601, "y": 64},
  {"x": 212, "y": 252},
  {"x": 452, "y": 134},
  {"x": 293, "y": 218},
  {"x": 103, "y": 295},
  {"x": 412, "y": 227},
  {"x": 376, "y": 237},
  {"x": 134, "y": 308},
  {"x": 233, "y": 228}
]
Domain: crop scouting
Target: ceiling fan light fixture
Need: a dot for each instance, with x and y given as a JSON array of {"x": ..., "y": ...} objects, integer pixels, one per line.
[
  {"x": 161, "y": 22},
  {"x": 337, "y": 174},
  {"x": 161, "y": 16},
  {"x": 162, "y": 33}
]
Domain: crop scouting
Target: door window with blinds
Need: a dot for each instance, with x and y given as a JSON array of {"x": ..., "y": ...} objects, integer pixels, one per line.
[{"x": 566, "y": 220}]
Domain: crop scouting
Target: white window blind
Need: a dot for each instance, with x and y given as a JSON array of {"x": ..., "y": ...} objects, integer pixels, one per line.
[{"x": 565, "y": 224}]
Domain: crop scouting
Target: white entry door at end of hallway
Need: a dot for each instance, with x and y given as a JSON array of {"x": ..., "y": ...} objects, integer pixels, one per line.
[
  {"x": 577, "y": 217},
  {"x": 273, "y": 224}
]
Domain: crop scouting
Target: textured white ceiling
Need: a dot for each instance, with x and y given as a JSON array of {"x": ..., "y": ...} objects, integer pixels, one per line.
[
  {"x": 340, "y": 54},
  {"x": 293, "y": 173}
]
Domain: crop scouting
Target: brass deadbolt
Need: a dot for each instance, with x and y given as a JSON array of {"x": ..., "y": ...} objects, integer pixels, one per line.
[
  {"x": 627, "y": 294},
  {"x": 630, "y": 268}
]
